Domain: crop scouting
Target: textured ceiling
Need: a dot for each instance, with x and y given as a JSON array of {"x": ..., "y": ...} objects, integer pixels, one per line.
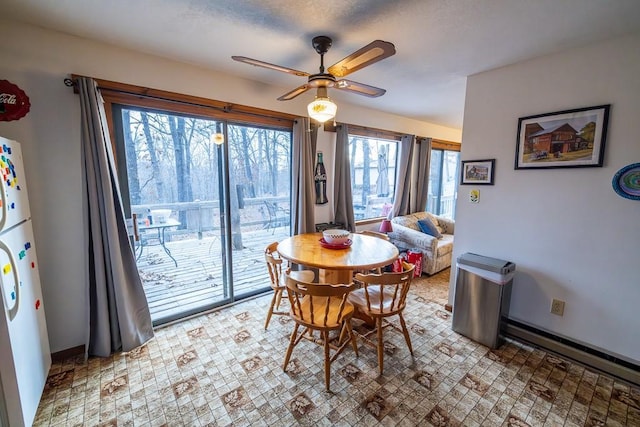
[{"x": 439, "y": 42}]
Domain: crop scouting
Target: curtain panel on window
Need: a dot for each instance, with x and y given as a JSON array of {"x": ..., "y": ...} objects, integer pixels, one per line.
[
  {"x": 403, "y": 176},
  {"x": 119, "y": 318},
  {"x": 412, "y": 176},
  {"x": 423, "y": 153},
  {"x": 305, "y": 139},
  {"x": 343, "y": 198}
]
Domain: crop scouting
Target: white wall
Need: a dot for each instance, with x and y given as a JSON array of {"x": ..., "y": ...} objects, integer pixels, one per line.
[
  {"x": 571, "y": 236},
  {"x": 38, "y": 60}
]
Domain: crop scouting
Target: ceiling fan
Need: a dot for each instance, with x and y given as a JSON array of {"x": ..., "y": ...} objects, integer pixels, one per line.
[{"x": 369, "y": 54}]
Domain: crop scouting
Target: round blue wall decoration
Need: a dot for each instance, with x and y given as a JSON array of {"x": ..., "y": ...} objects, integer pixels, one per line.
[{"x": 626, "y": 182}]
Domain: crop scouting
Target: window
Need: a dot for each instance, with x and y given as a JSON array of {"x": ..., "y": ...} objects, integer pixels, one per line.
[
  {"x": 443, "y": 182},
  {"x": 373, "y": 174}
]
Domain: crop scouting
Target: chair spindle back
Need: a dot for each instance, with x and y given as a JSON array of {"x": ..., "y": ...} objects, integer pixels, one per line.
[{"x": 311, "y": 303}]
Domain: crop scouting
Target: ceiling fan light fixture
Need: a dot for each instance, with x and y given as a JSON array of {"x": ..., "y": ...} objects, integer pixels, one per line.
[{"x": 322, "y": 109}]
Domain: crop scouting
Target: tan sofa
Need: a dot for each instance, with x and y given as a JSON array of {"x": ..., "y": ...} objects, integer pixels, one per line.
[{"x": 437, "y": 253}]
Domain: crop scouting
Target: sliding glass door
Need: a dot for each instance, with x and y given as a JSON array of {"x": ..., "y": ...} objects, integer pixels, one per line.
[{"x": 207, "y": 197}]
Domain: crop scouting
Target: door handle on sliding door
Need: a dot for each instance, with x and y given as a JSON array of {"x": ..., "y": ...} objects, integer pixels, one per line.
[{"x": 136, "y": 236}]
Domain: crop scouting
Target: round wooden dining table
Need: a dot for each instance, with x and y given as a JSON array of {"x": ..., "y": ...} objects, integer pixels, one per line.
[{"x": 337, "y": 265}]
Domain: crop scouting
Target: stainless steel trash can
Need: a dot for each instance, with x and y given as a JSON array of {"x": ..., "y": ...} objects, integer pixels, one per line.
[{"x": 482, "y": 297}]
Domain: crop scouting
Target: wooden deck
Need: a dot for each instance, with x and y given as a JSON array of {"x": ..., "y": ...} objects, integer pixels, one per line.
[{"x": 197, "y": 283}]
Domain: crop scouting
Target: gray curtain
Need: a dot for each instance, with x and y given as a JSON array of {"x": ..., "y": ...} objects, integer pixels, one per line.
[
  {"x": 119, "y": 318},
  {"x": 423, "y": 153},
  {"x": 342, "y": 197},
  {"x": 412, "y": 176},
  {"x": 305, "y": 139},
  {"x": 403, "y": 177}
]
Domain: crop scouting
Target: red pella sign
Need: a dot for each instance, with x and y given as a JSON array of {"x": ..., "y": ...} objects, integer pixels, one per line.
[{"x": 14, "y": 103}]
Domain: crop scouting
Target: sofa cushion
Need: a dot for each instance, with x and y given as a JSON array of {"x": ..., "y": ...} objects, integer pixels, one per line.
[
  {"x": 409, "y": 221},
  {"x": 445, "y": 245},
  {"x": 427, "y": 226},
  {"x": 447, "y": 225}
]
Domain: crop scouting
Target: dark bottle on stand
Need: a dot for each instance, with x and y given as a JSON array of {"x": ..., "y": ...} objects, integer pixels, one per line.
[{"x": 321, "y": 181}]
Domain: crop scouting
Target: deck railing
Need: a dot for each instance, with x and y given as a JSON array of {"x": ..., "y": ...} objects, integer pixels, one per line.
[
  {"x": 191, "y": 277},
  {"x": 446, "y": 208},
  {"x": 204, "y": 216}
]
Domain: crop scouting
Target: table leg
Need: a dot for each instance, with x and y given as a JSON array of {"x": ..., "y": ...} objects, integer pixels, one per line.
[
  {"x": 167, "y": 249},
  {"x": 336, "y": 276},
  {"x": 136, "y": 245},
  {"x": 368, "y": 320}
]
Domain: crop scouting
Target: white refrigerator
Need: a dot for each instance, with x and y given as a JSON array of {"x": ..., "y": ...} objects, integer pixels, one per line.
[{"x": 25, "y": 356}]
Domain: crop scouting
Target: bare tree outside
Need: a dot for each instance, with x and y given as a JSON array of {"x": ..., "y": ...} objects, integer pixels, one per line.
[
  {"x": 132, "y": 166},
  {"x": 153, "y": 156},
  {"x": 373, "y": 166},
  {"x": 172, "y": 160}
]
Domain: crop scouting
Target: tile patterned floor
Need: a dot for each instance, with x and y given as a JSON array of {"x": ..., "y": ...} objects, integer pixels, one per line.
[{"x": 223, "y": 369}]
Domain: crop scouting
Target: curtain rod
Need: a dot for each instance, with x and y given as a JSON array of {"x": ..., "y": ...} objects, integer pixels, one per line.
[
  {"x": 71, "y": 82},
  {"x": 371, "y": 131},
  {"x": 228, "y": 108},
  {"x": 374, "y": 132}
]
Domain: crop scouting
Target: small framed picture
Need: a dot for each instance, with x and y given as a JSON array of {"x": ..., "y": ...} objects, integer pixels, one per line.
[
  {"x": 564, "y": 139},
  {"x": 477, "y": 172}
]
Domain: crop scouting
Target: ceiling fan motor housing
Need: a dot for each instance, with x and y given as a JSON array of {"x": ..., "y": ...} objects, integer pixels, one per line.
[{"x": 322, "y": 80}]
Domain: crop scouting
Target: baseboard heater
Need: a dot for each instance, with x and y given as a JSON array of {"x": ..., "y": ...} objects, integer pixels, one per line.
[{"x": 580, "y": 353}]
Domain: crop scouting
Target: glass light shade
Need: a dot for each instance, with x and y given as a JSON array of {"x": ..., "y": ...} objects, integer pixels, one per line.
[
  {"x": 385, "y": 226},
  {"x": 322, "y": 109},
  {"x": 217, "y": 138}
]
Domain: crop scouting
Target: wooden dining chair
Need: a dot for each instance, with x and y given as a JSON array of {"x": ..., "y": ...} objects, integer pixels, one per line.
[
  {"x": 277, "y": 279},
  {"x": 380, "y": 297},
  {"x": 321, "y": 307}
]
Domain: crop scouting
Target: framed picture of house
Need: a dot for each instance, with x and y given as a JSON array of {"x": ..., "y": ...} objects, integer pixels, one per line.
[
  {"x": 564, "y": 139},
  {"x": 477, "y": 172}
]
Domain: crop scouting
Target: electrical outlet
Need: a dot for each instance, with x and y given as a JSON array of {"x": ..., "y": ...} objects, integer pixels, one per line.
[{"x": 557, "y": 307}]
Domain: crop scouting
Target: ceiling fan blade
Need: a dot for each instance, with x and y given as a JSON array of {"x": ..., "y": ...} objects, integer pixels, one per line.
[
  {"x": 297, "y": 91},
  {"x": 359, "y": 88},
  {"x": 375, "y": 51},
  {"x": 263, "y": 64}
]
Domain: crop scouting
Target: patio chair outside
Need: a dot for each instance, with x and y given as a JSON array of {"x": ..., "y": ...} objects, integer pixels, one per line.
[{"x": 274, "y": 220}]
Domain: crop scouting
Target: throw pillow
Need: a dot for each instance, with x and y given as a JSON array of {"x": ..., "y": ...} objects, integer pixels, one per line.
[
  {"x": 434, "y": 220},
  {"x": 427, "y": 227}
]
